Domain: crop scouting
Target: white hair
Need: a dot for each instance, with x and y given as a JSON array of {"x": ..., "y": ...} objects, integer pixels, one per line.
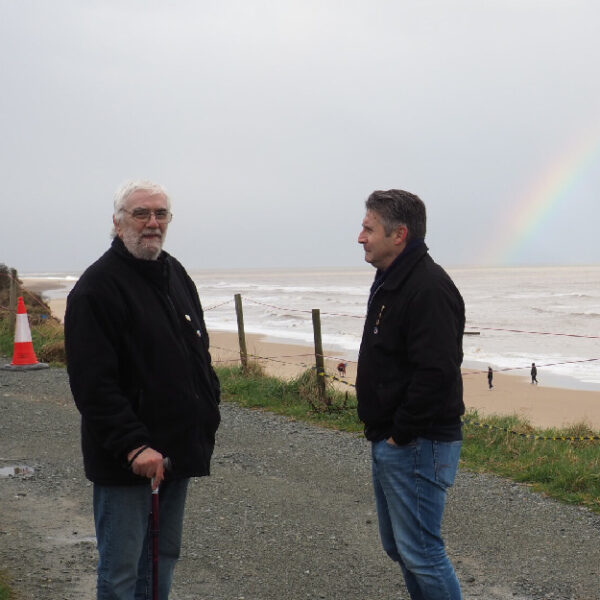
[{"x": 128, "y": 188}]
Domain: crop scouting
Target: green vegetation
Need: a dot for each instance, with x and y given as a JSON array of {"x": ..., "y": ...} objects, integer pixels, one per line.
[
  {"x": 46, "y": 331},
  {"x": 5, "y": 592},
  {"x": 566, "y": 470},
  {"x": 7, "y": 339},
  {"x": 48, "y": 341},
  {"x": 297, "y": 399}
]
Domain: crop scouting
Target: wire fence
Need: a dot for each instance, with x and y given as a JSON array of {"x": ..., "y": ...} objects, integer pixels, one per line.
[
  {"x": 467, "y": 372},
  {"x": 304, "y": 361}
]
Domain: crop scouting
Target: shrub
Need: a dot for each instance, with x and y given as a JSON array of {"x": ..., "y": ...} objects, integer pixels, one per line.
[{"x": 52, "y": 352}]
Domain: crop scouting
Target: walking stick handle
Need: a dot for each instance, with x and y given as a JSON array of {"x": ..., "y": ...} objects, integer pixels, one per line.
[{"x": 167, "y": 465}]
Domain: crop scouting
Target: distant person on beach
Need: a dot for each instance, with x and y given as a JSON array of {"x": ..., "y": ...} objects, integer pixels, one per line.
[
  {"x": 534, "y": 374},
  {"x": 141, "y": 376},
  {"x": 342, "y": 369},
  {"x": 490, "y": 377},
  {"x": 409, "y": 390}
]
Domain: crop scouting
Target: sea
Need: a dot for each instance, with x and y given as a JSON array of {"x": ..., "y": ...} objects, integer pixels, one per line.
[{"x": 515, "y": 316}]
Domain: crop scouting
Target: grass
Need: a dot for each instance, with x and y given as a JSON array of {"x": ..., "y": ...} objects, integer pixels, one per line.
[
  {"x": 568, "y": 471},
  {"x": 5, "y": 591},
  {"x": 47, "y": 332},
  {"x": 47, "y": 336},
  {"x": 296, "y": 399}
]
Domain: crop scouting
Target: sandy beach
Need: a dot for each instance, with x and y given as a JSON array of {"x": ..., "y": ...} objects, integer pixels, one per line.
[{"x": 512, "y": 394}]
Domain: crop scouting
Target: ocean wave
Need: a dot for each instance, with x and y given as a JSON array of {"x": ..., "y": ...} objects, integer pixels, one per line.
[
  {"x": 279, "y": 289},
  {"x": 50, "y": 276},
  {"x": 572, "y": 295},
  {"x": 286, "y": 318}
]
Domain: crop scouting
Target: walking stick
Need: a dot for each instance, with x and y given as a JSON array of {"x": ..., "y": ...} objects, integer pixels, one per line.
[
  {"x": 154, "y": 541},
  {"x": 154, "y": 531}
]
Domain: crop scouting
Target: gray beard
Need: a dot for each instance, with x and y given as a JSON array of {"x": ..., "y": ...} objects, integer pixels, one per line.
[{"x": 134, "y": 243}]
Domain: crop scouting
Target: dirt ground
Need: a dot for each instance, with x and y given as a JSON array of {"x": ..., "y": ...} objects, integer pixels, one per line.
[{"x": 288, "y": 514}]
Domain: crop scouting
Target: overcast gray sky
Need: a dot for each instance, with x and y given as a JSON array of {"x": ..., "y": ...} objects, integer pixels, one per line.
[{"x": 270, "y": 122}]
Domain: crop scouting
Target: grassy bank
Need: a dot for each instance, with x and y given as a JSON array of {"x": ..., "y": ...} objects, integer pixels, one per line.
[
  {"x": 46, "y": 331},
  {"x": 566, "y": 470},
  {"x": 47, "y": 336}
]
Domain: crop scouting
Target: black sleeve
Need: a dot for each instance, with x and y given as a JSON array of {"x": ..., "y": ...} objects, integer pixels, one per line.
[{"x": 93, "y": 344}]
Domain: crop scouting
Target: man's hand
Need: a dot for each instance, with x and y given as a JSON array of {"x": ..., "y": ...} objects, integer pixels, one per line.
[{"x": 148, "y": 463}]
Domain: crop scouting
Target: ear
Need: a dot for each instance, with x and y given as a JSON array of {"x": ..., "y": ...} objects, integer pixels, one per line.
[
  {"x": 116, "y": 226},
  {"x": 400, "y": 235}
]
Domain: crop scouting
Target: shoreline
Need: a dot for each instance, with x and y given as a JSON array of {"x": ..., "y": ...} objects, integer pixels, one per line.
[
  {"x": 542, "y": 406},
  {"x": 57, "y": 306},
  {"x": 559, "y": 403}
]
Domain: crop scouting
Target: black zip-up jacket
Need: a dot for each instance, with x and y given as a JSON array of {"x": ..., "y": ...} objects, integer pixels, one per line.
[
  {"x": 409, "y": 381},
  {"x": 139, "y": 366}
]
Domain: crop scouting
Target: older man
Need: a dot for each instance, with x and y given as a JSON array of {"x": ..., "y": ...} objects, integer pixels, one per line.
[
  {"x": 141, "y": 376},
  {"x": 409, "y": 390}
]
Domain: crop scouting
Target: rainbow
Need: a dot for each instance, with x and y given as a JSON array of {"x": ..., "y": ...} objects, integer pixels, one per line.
[{"x": 541, "y": 199}]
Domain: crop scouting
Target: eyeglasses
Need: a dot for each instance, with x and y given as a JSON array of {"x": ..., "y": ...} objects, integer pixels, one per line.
[{"x": 162, "y": 215}]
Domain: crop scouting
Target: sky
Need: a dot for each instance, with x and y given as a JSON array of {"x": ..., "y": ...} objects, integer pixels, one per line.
[{"x": 270, "y": 123}]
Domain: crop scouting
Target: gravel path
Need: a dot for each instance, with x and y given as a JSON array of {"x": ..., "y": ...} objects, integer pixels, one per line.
[{"x": 287, "y": 515}]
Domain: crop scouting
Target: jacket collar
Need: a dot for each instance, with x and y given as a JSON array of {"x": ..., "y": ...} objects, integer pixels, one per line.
[
  {"x": 402, "y": 266},
  {"x": 404, "y": 263},
  {"x": 156, "y": 271}
]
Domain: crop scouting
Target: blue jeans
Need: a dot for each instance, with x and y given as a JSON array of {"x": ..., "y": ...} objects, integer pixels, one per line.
[
  {"x": 121, "y": 514},
  {"x": 410, "y": 484}
]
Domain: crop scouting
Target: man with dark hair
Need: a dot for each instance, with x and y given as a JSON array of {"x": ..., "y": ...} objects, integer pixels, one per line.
[
  {"x": 409, "y": 390},
  {"x": 141, "y": 376}
]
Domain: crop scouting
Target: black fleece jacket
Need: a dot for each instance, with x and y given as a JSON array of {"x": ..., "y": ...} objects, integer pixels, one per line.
[
  {"x": 408, "y": 381},
  {"x": 139, "y": 366}
]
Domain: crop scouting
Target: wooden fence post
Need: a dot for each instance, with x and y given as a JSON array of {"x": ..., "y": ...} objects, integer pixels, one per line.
[
  {"x": 320, "y": 363},
  {"x": 12, "y": 298},
  {"x": 241, "y": 335}
]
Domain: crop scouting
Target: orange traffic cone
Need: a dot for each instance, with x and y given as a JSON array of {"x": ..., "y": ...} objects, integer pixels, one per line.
[{"x": 23, "y": 355}]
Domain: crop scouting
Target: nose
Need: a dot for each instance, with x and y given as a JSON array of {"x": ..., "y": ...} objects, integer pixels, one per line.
[
  {"x": 361, "y": 237},
  {"x": 152, "y": 222}
]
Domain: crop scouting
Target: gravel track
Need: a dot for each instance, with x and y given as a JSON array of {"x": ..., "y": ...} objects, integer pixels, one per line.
[{"x": 288, "y": 514}]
